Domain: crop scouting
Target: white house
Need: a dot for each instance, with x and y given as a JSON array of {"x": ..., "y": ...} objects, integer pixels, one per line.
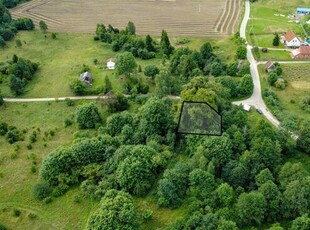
[
  {"x": 290, "y": 39},
  {"x": 111, "y": 64}
]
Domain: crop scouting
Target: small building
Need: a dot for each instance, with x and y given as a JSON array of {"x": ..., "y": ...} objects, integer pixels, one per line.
[
  {"x": 86, "y": 77},
  {"x": 270, "y": 66},
  {"x": 303, "y": 52},
  {"x": 111, "y": 64},
  {"x": 290, "y": 39},
  {"x": 247, "y": 108},
  {"x": 303, "y": 11},
  {"x": 240, "y": 64}
]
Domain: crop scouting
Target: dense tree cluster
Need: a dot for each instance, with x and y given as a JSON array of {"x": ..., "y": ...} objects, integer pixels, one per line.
[
  {"x": 126, "y": 40},
  {"x": 8, "y": 26},
  {"x": 19, "y": 72}
]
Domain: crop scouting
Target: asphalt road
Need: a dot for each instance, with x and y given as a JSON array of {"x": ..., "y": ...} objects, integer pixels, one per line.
[{"x": 256, "y": 99}]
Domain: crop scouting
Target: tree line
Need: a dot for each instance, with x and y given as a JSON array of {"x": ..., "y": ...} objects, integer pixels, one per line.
[{"x": 8, "y": 26}]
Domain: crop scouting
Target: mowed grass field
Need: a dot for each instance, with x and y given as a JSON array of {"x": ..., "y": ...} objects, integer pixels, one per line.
[
  {"x": 298, "y": 88},
  {"x": 181, "y": 18},
  {"x": 271, "y": 16}
]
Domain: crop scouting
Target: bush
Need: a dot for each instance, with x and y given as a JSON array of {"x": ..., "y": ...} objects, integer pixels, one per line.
[
  {"x": 78, "y": 88},
  {"x": 67, "y": 122},
  {"x": 13, "y": 135},
  {"x": 32, "y": 215},
  {"x": 2, "y": 227},
  {"x": 69, "y": 102},
  {"x": 151, "y": 71},
  {"x": 48, "y": 200},
  {"x": 60, "y": 190},
  {"x": 3, "y": 128},
  {"x": 16, "y": 212},
  {"x": 147, "y": 214},
  {"x": 41, "y": 191}
]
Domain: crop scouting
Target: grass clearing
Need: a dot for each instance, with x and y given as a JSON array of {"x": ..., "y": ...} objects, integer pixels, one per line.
[
  {"x": 298, "y": 87},
  {"x": 16, "y": 178}
]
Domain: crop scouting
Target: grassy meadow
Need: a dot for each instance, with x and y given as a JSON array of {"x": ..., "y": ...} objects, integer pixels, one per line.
[
  {"x": 271, "y": 16},
  {"x": 17, "y": 178}
]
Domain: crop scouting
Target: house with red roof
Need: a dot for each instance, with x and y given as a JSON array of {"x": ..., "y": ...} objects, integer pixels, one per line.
[
  {"x": 303, "y": 52},
  {"x": 290, "y": 39}
]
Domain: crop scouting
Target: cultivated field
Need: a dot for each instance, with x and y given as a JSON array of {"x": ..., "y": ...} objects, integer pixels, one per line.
[{"x": 181, "y": 18}]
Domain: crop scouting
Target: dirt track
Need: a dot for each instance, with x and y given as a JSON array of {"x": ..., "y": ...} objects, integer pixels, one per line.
[{"x": 182, "y": 18}]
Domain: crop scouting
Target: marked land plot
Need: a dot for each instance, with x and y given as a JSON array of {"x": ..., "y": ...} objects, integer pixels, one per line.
[{"x": 181, "y": 18}]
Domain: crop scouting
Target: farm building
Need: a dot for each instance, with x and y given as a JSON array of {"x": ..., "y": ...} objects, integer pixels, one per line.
[
  {"x": 270, "y": 66},
  {"x": 111, "y": 64},
  {"x": 86, "y": 77},
  {"x": 303, "y": 11},
  {"x": 302, "y": 52},
  {"x": 290, "y": 39}
]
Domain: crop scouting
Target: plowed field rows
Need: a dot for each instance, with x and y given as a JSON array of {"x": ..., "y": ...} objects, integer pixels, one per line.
[{"x": 182, "y": 18}]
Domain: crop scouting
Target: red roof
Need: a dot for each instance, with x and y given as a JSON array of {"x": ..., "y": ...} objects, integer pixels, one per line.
[
  {"x": 289, "y": 36},
  {"x": 304, "y": 50}
]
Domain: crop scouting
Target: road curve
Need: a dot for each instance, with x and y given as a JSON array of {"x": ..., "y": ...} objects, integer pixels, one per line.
[{"x": 256, "y": 99}]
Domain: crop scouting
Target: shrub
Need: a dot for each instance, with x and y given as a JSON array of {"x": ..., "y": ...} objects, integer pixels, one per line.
[
  {"x": 16, "y": 212},
  {"x": 33, "y": 168},
  {"x": 67, "y": 122},
  {"x": 41, "y": 191},
  {"x": 147, "y": 214},
  {"x": 2, "y": 227},
  {"x": 3, "y": 128},
  {"x": 13, "y": 135},
  {"x": 32, "y": 215},
  {"x": 48, "y": 200},
  {"x": 69, "y": 102},
  {"x": 60, "y": 190}
]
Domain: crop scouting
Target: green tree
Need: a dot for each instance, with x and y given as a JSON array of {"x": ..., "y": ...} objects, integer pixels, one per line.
[
  {"x": 276, "y": 40},
  {"x": 1, "y": 103},
  {"x": 272, "y": 78},
  {"x": 136, "y": 173},
  {"x": 16, "y": 85},
  {"x": 87, "y": 116},
  {"x": 117, "y": 121},
  {"x": 216, "y": 69},
  {"x": 301, "y": 223},
  {"x": 273, "y": 198},
  {"x": 165, "y": 46},
  {"x": 232, "y": 69},
  {"x": 245, "y": 87},
  {"x": 201, "y": 182},
  {"x": 264, "y": 176},
  {"x": 227, "y": 225},
  {"x": 107, "y": 84},
  {"x": 303, "y": 141},
  {"x": 149, "y": 44},
  {"x": 251, "y": 208},
  {"x": 2, "y": 42},
  {"x": 116, "y": 211},
  {"x": 155, "y": 118},
  {"x": 296, "y": 198},
  {"x": 172, "y": 187},
  {"x": 131, "y": 28},
  {"x": 43, "y": 26},
  {"x": 206, "y": 50},
  {"x": 125, "y": 64},
  {"x": 166, "y": 84},
  {"x": 151, "y": 71},
  {"x": 225, "y": 194},
  {"x": 241, "y": 52},
  {"x": 78, "y": 88}
]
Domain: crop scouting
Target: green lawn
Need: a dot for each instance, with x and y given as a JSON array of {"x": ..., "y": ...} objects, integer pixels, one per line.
[
  {"x": 61, "y": 61},
  {"x": 277, "y": 55},
  {"x": 271, "y": 16}
]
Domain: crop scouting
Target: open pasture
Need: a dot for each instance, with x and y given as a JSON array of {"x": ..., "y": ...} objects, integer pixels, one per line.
[{"x": 181, "y": 18}]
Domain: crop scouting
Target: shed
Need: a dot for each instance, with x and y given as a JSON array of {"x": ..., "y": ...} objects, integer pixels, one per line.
[
  {"x": 270, "y": 66},
  {"x": 111, "y": 64},
  {"x": 86, "y": 77},
  {"x": 247, "y": 108}
]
